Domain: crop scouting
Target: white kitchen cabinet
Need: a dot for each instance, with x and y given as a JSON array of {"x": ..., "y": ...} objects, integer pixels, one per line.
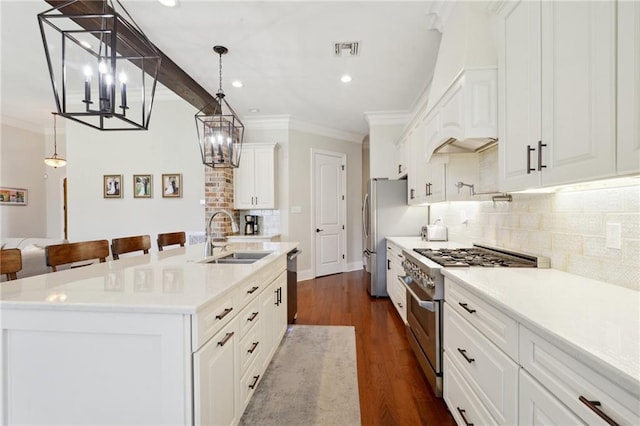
[
  {"x": 396, "y": 290},
  {"x": 538, "y": 407},
  {"x": 628, "y": 87},
  {"x": 557, "y": 93},
  {"x": 216, "y": 379},
  {"x": 401, "y": 159},
  {"x": 254, "y": 179},
  {"x": 427, "y": 174},
  {"x": 273, "y": 308}
]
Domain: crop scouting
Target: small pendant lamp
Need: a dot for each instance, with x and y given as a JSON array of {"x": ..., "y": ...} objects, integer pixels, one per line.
[{"x": 55, "y": 161}]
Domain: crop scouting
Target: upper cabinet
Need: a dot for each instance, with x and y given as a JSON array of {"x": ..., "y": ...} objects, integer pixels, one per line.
[
  {"x": 401, "y": 159},
  {"x": 557, "y": 77},
  {"x": 254, "y": 181},
  {"x": 628, "y": 87}
]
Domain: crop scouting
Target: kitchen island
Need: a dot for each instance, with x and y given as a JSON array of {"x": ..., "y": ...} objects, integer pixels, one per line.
[{"x": 163, "y": 338}]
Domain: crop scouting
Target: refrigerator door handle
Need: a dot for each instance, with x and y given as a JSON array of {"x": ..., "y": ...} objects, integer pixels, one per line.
[{"x": 364, "y": 216}]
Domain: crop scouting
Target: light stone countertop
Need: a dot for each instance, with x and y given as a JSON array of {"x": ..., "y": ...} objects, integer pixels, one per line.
[
  {"x": 252, "y": 236},
  {"x": 172, "y": 281},
  {"x": 594, "y": 321}
]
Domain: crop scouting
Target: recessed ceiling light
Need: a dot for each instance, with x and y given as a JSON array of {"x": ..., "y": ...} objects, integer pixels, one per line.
[
  {"x": 345, "y": 78},
  {"x": 254, "y": 110},
  {"x": 168, "y": 3},
  {"x": 237, "y": 83}
]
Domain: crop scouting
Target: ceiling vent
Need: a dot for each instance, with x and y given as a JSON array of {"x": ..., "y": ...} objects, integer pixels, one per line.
[{"x": 346, "y": 48}]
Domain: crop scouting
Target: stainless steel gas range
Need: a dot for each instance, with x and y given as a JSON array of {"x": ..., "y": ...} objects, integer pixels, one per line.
[{"x": 425, "y": 294}]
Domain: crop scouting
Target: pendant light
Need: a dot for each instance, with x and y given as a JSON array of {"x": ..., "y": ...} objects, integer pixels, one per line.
[
  {"x": 220, "y": 131},
  {"x": 103, "y": 68},
  {"x": 55, "y": 161}
]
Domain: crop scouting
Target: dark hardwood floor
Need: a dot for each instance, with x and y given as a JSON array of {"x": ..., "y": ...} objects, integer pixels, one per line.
[{"x": 392, "y": 388}]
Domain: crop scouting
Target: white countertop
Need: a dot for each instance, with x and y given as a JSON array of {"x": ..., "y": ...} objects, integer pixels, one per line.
[
  {"x": 252, "y": 236},
  {"x": 596, "y": 322},
  {"x": 174, "y": 280}
]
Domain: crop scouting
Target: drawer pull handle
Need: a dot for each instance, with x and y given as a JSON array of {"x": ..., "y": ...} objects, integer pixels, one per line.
[
  {"x": 255, "y": 381},
  {"x": 466, "y": 307},
  {"x": 225, "y": 339},
  {"x": 463, "y": 352},
  {"x": 464, "y": 419},
  {"x": 224, "y": 313},
  {"x": 253, "y": 289},
  {"x": 253, "y": 316},
  {"x": 593, "y": 405},
  {"x": 253, "y": 347}
]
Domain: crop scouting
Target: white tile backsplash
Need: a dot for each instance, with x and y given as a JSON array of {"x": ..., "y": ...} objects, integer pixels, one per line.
[{"x": 569, "y": 227}]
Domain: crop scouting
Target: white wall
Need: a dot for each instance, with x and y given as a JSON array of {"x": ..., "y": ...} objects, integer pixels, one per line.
[
  {"x": 22, "y": 153},
  {"x": 169, "y": 146},
  {"x": 300, "y": 191}
]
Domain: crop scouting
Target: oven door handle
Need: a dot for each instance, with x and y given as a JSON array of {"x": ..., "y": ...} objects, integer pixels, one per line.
[{"x": 425, "y": 304}]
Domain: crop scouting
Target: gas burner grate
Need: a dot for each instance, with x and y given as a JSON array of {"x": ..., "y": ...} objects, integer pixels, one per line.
[{"x": 475, "y": 256}]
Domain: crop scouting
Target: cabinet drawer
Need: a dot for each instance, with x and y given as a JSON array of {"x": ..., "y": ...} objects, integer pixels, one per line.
[
  {"x": 271, "y": 272},
  {"x": 569, "y": 380},
  {"x": 250, "y": 347},
  {"x": 249, "y": 317},
  {"x": 212, "y": 318},
  {"x": 249, "y": 289},
  {"x": 501, "y": 329},
  {"x": 492, "y": 375},
  {"x": 394, "y": 253},
  {"x": 248, "y": 384},
  {"x": 538, "y": 407},
  {"x": 464, "y": 405}
]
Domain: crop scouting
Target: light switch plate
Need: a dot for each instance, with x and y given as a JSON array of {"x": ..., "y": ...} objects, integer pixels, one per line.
[
  {"x": 296, "y": 209},
  {"x": 614, "y": 236}
]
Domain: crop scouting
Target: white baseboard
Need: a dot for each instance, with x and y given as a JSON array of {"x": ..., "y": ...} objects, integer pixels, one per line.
[
  {"x": 307, "y": 274},
  {"x": 354, "y": 266}
]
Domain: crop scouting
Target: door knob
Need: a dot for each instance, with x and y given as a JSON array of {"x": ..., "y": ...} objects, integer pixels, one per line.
[{"x": 319, "y": 230}]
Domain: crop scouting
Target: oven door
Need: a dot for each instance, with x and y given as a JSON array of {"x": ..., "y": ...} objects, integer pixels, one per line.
[{"x": 424, "y": 319}]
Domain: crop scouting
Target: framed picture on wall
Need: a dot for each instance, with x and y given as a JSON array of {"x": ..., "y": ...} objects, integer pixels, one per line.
[
  {"x": 142, "y": 186},
  {"x": 13, "y": 196},
  {"x": 172, "y": 185},
  {"x": 112, "y": 186}
]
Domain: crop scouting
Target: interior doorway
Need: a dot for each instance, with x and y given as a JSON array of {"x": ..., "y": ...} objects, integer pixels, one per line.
[{"x": 329, "y": 201}]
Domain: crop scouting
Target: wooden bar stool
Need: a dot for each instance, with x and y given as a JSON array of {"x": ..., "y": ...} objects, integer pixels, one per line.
[
  {"x": 170, "y": 239},
  {"x": 62, "y": 254},
  {"x": 10, "y": 263},
  {"x": 130, "y": 244}
]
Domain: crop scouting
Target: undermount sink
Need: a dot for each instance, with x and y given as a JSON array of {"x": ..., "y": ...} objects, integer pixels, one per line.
[{"x": 241, "y": 257}]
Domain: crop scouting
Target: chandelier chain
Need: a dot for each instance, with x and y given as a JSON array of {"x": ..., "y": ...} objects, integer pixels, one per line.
[{"x": 220, "y": 70}]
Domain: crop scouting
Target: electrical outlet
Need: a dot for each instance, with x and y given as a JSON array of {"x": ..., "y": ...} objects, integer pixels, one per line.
[{"x": 614, "y": 236}]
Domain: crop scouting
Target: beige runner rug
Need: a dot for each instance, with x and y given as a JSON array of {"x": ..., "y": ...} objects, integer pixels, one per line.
[{"x": 312, "y": 380}]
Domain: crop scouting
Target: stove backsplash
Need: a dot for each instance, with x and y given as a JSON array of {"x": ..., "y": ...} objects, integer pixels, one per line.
[{"x": 567, "y": 227}]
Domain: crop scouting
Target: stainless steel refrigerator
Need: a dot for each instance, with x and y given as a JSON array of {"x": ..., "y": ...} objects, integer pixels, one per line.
[{"x": 385, "y": 213}]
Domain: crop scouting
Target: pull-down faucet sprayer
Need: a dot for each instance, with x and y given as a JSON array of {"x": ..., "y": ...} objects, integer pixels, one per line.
[{"x": 208, "y": 250}]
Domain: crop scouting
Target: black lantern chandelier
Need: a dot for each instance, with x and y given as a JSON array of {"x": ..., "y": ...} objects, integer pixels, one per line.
[
  {"x": 103, "y": 68},
  {"x": 220, "y": 131}
]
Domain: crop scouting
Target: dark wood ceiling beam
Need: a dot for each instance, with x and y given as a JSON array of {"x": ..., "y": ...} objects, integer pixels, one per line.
[{"x": 170, "y": 74}]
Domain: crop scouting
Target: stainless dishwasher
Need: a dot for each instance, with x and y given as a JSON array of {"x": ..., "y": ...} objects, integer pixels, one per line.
[{"x": 292, "y": 285}]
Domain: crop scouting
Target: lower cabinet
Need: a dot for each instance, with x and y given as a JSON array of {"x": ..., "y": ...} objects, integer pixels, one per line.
[
  {"x": 395, "y": 289},
  {"x": 215, "y": 379},
  {"x": 497, "y": 371}
]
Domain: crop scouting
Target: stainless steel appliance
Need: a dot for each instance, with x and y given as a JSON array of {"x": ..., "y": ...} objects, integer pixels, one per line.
[
  {"x": 292, "y": 285},
  {"x": 385, "y": 213},
  {"x": 425, "y": 294}
]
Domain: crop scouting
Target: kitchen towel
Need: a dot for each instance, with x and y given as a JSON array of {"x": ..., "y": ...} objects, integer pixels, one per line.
[{"x": 312, "y": 380}]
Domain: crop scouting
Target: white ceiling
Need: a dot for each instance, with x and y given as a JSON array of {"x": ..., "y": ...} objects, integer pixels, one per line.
[{"x": 281, "y": 51}]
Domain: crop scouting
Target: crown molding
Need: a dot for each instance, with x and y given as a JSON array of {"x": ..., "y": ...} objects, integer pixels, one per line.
[
  {"x": 268, "y": 122},
  {"x": 387, "y": 118}
]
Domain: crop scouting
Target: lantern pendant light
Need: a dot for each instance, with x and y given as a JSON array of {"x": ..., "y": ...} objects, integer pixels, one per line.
[
  {"x": 55, "y": 161},
  {"x": 220, "y": 131},
  {"x": 103, "y": 68}
]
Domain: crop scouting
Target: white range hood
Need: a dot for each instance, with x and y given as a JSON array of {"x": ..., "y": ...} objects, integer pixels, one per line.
[{"x": 464, "y": 90}]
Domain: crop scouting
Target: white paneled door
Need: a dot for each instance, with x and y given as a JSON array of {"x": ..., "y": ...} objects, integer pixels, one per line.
[{"x": 329, "y": 199}]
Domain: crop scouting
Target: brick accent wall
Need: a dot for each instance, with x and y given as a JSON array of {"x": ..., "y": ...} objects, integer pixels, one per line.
[{"x": 218, "y": 194}]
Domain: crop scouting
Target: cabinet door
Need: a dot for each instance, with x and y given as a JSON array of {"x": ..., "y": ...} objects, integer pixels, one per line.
[
  {"x": 401, "y": 159},
  {"x": 216, "y": 378},
  {"x": 435, "y": 182},
  {"x": 519, "y": 94},
  {"x": 628, "y": 138},
  {"x": 267, "y": 301},
  {"x": 243, "y": 178},
  {"x": 578, "y": 91},
  {"x": 264, "y": 178},
  {"x": 539, "y": 407},
  {"x": 280, "y": 317}
]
